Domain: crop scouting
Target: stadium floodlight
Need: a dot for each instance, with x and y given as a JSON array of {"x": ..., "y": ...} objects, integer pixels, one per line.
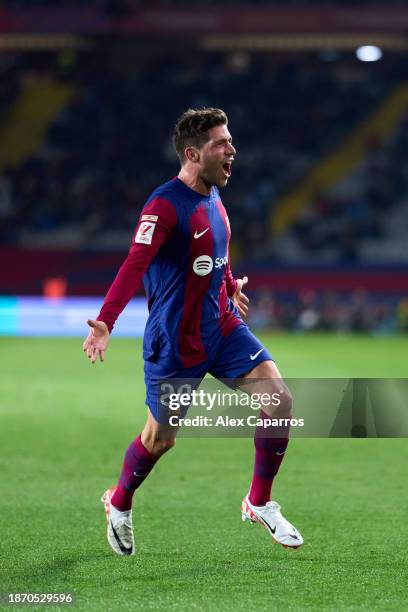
[{"x": 369, "y": 53}]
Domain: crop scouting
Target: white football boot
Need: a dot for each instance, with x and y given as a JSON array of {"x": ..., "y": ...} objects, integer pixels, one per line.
[
  {"x": 270, "y": 517},
  {"x": 119, "y": 526}
]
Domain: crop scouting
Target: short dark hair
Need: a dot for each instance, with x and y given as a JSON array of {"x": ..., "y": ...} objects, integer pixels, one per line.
[{"x": 192, "y": 127}]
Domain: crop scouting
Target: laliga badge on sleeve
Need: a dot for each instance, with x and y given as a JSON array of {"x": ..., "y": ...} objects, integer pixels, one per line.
[{"x": 145, "y": 232}]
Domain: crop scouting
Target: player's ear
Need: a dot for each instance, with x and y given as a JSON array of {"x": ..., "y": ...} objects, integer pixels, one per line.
[{"x": 192, "y": 154}]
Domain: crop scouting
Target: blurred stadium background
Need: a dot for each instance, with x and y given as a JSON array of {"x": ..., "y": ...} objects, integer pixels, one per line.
[{"x": 317, "y": 97}]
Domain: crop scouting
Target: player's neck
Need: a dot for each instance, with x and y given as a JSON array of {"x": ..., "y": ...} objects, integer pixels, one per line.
[{"x": 195, "y": 182}]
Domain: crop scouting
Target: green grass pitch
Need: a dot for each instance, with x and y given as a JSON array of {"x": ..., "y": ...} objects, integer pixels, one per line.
[{"x": 64, "y": 426}]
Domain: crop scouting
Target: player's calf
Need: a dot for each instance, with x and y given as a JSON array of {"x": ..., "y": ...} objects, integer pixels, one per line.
[{"x": 138, "y": 462}]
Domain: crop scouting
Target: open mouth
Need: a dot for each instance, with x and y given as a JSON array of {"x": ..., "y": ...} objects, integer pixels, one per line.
[{"x": 227, "y": 168}]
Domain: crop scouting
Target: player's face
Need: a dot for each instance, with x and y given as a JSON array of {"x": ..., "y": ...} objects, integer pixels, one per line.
[{"x": 216, "y": 157}]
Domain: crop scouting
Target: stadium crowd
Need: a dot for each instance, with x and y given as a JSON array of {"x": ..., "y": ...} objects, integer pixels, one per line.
[
  {"x": 10, "y": 65},
  {"x": 111, "y": 145},
  {"x": 310, "y": 311},
  {"x": 365, "y": 216}
]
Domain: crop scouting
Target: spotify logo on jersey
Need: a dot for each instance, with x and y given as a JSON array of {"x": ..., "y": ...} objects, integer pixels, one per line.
[{"x": 203, "y": 265}]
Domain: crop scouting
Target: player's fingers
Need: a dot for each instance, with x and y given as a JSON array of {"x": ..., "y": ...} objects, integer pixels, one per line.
[
  {"x": 241, "y": 312},
  {"x": 89, "y": 351},
  {"x": 244, "y": 280},
  {"x": 102, "y": 356},
  {"x": 94, "y": 355},
  {"x": 244, "y": 298}
]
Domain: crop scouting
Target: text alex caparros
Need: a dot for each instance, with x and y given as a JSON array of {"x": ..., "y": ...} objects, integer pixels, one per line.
[{"x": 207, "y": 401}]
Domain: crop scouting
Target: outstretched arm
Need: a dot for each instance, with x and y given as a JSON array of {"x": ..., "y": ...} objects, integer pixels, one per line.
[{"x": 154, "y": 228}]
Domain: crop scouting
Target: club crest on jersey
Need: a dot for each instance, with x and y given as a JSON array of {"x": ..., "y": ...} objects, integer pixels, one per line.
[
  {"x": 203, "y": 265},
  {"x": 145, "y": 232}
]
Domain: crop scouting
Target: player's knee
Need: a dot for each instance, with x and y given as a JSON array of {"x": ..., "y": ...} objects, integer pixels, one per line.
[
  {"x": 286, "y": 403},
  {"x": 281, "y": 402},
  {"x": 162, "y": 445}
]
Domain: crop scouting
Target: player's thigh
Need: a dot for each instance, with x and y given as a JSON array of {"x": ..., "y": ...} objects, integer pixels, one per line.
[
  {"x": 266, "y": 369},
  {"x": 244, "y": 362}
]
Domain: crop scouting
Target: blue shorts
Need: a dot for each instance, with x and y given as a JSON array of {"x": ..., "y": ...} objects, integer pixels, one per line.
[{"x": 233, "y": 357}]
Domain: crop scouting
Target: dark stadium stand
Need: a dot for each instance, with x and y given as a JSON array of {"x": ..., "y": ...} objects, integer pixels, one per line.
[
  {"x": 111, "y": 146},
  {"x": 364, "y": 217},
  {"x": 9, "y": 80},
  {"x": 69, "y": 208}
]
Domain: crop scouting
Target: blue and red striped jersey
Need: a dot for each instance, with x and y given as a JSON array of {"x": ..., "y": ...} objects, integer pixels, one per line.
[{"x": 180, "y": 249}]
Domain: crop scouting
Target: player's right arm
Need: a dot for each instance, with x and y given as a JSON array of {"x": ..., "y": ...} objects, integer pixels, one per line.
[{"x": 156, "y": 224}]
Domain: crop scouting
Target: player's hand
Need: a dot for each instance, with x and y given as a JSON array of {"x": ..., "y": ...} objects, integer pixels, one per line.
[
  {"x": 240, "y": 300},
  {"x": 96, "y": 341}
]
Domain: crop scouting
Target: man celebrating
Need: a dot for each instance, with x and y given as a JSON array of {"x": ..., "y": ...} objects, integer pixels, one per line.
[{"x": 180, "y": 250}]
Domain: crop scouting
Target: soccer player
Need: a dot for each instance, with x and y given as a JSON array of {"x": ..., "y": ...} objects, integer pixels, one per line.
[{"x": 180, "y": 250}]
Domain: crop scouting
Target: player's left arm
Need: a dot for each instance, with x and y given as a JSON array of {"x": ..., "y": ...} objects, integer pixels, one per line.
[
  {"x": 234, "y": 290},
  {"x": 239, "y": 298},
  {"x": 155, "y": 226}
]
